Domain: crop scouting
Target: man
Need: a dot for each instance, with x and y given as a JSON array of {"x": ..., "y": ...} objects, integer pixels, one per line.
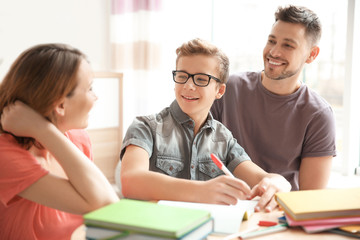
[{"x": 284, "y": 126}]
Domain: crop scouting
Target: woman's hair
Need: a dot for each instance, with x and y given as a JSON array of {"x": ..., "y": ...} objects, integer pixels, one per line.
[
  {"x": 41, "y": 77},
  {"x": 201, "y": 47},
  {"x": 303, "y": 16}
]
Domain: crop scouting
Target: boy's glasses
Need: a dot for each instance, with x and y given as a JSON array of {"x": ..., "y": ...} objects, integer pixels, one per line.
[{"x": 199, "y": 79}]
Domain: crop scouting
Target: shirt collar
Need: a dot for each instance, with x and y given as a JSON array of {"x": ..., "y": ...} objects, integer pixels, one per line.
[{"x": 182, "y": 117}]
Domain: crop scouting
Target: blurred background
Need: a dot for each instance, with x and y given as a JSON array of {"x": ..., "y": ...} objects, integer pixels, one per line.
[{"x": 139, "y": 38}]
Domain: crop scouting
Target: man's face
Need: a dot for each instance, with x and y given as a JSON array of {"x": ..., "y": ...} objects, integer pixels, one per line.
[{"x": 286, "y": 51}]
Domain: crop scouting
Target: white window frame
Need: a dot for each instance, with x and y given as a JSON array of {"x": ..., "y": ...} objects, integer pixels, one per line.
[{"x": 351, "y": 133}]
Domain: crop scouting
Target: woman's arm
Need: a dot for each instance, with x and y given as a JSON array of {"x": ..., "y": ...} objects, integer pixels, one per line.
[{"x": 86, "y": 188}]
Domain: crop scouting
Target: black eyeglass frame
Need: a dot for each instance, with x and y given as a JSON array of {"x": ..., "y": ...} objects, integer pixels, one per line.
[{"x": 192, "y": 76}]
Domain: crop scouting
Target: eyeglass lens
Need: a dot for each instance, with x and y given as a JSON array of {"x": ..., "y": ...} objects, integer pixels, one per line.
[{"x": 199, "y": 79}]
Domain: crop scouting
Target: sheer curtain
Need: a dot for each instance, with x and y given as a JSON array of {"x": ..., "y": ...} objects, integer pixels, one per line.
[{"x": 136, "y": 51}]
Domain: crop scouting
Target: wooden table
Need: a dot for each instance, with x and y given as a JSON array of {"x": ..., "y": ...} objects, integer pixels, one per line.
[{"x": 289, "y": 234}]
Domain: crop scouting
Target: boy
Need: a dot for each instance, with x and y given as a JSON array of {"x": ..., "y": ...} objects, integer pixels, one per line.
[{"x": 167, "y": 155}]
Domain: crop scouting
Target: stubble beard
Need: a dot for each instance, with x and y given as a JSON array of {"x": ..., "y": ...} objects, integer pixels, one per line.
[
  {"x": 273, "y": 75},
  {"x": 269, "y": 73}
]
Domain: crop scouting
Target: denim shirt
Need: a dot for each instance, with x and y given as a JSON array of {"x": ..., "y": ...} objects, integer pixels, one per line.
[{"x": 169, "y": 139}]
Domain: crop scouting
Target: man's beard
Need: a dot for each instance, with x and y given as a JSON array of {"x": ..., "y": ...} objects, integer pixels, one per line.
[
  {"x": 282, "y": 75},
  {"x": 279, "y": 76}
]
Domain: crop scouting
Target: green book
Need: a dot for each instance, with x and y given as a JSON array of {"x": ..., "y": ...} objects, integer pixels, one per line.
[{"x": 150, "y": 218}]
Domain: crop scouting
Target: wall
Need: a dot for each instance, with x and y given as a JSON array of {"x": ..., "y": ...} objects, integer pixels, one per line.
[{"x": 81, "y": 23}]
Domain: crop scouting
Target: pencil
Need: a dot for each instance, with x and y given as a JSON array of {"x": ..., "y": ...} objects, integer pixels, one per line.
[
  {"x": 239, "y": 234},
  {"x": 220, "y": 165},
  {"x": 268, "y": 230}
]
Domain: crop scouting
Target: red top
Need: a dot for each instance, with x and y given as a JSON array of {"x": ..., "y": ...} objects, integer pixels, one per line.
[{"x": 24, "y": 219}]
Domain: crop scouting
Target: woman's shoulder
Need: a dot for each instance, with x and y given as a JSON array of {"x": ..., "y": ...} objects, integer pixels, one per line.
[
  {"x": 9, "y": 143},
  {"x": 78, "y": 135},
  {"x": 12, "y": 157},
  {"x": 81, "y": 139}
]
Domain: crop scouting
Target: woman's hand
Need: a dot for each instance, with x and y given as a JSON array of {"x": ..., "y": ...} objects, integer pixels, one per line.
[
  {"x": 85, "y": 188},
  {"x": 21, "y": 120}
]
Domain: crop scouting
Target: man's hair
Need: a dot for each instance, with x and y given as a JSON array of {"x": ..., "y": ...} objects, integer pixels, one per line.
[
  {"x": 303, "y": 16},
  {"x": 40, "y": 77},
  {"x": 201, "y": 47}
]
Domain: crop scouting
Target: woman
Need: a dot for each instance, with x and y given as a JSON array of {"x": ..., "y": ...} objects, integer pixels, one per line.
[{"x": 46, "y": 178}]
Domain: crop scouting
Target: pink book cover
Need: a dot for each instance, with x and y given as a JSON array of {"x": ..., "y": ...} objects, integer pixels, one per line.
[
  {"x": 321, "y": 228},
  {"x": 324, "y": 221},
  {"x": 318, "y": 225}
]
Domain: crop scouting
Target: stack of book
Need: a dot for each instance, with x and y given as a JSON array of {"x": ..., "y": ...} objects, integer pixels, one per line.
[
  {"x": 134, "y": 219},
  {"x": 322, "y": 210}
]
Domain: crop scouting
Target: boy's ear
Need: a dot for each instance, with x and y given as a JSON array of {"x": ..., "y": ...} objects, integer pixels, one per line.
[
  {"x": 313, "y": 54},
  {"x": 221, "y": 91}
]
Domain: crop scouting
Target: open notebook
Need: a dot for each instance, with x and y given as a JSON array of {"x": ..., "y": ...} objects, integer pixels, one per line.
[{"x": 227, "y": 219}]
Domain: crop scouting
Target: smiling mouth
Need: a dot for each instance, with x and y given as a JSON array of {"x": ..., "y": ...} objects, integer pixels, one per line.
[
  {"x": 189, "y": 98},
  {"x": 274, "y": 63}
]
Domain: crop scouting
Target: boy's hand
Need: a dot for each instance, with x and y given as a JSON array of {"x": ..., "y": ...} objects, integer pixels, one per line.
[{"x": 224, "y": 190}]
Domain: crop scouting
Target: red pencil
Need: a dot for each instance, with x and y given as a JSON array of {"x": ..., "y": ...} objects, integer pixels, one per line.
[{"x": 220, "y": 165}]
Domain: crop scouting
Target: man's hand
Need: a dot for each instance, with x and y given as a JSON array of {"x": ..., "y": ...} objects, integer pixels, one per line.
[{"x": 267, "y": 188}]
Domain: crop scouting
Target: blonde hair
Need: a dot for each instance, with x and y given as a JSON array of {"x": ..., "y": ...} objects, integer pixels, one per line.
[{"x": 201, "y": 47}]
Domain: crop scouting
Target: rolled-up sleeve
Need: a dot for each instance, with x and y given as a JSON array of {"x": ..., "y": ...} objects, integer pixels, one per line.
[
  {"x": 140, "y": 134},
  {"x": 236, "y": 155}
]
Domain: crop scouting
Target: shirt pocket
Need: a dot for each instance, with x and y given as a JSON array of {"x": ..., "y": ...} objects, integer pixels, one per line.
[
  {"x": 172, "y": 166},
  {"x": 208, "y": 170}
]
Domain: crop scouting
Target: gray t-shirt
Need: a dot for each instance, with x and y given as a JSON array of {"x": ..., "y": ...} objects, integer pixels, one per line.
[
  {"x": 169, "y": 139},
  {"x": 276, "y": 131}
]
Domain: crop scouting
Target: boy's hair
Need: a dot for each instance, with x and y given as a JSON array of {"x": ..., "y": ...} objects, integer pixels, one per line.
[
  {"x": 41, "y": 77},
  {"x": 201, "y": 47},
  {"x": 303, "y": 16}
]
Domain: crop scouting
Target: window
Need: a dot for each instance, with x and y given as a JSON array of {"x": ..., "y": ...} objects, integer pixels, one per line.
[{"x": 241, "y": 28}]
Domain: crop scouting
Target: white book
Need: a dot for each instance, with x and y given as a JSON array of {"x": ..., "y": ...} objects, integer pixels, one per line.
[{"x": 227, "y": 218}]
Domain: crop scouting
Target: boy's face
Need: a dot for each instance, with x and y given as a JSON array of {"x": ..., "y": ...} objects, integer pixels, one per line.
[{"x": 193, "y": 100}]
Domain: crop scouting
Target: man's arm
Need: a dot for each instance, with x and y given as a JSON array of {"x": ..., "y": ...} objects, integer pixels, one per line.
[
  {"x": 314, "y": 172},
  {"x": 139, "y": 182}
]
